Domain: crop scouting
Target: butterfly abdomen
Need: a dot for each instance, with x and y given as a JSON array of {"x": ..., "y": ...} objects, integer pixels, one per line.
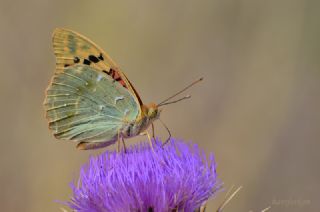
[{"x": 136, "y": 127}]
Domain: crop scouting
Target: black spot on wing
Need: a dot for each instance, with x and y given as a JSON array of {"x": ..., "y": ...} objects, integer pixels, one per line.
[
  {"x": 104, "y": 71},
  {"x": 93, "y": 59},
  {"x": 116, "y": 79},
  {"x": 112, "y": 72},
  {"x": 66, "y": 65},
  {"x": 86, "y": 62},
  {"x": 100, "y": 57},
  {"x": 76, "y": 60}
]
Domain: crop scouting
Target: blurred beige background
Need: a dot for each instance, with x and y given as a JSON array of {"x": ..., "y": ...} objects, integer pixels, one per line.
[{"x": 257, "y": 109}]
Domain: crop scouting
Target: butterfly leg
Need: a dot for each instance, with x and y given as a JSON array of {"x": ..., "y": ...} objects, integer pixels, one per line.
[
  {"x": 150, "y": 141},
  {"x": 118, "y": 142},
  {"x": 168, "y": 139},
  {"x": 124, "y": 144},
  {"x": 152, "y": 127},
  {"x": 149, "y": 138}
]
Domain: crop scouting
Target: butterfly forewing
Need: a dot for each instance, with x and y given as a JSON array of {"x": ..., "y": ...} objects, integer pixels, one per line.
[
  {"x": 72, "y": 48},
  {"x": 84, "y": 104}
]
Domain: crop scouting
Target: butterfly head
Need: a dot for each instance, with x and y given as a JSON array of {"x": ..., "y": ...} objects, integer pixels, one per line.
[{"x": 152, "y": 111}]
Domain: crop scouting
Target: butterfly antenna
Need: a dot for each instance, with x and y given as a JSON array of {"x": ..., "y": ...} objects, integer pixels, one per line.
[
  {"x": 165, "y": 126},
  {"x": 176, "y": 94},
  {"x": 178, "y": 100}
]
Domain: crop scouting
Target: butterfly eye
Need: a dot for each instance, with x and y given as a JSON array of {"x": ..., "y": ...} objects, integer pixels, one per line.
[{"x": 152, "y": 112}]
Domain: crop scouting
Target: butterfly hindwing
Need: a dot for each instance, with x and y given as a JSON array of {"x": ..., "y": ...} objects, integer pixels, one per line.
[{"x": 84, "y": 104}]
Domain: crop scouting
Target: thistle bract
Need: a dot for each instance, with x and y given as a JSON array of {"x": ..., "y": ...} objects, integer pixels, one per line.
[{"x": 174, "y": 177}]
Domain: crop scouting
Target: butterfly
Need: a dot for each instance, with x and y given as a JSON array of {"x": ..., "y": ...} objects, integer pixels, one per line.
[{"x": 89, "y": 99}]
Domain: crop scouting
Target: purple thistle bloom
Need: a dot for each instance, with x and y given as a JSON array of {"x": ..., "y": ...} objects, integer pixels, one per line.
[{"x": 176, "y": 177}]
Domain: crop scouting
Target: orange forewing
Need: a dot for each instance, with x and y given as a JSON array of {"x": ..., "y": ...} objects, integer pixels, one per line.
[{"x": 72, "y": 48}]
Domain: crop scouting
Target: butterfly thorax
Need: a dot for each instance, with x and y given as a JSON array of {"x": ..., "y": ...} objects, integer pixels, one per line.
[{"x": 149, "y": 113}]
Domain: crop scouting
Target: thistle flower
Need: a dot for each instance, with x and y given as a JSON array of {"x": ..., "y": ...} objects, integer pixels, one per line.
[{"x": 176, "y": 177}]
